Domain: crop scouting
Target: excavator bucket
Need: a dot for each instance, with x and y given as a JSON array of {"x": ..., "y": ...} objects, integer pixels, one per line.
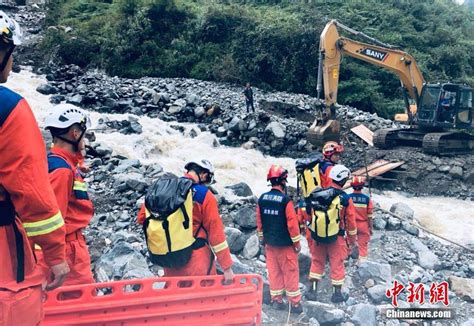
[{"x": 320, "y": 133}]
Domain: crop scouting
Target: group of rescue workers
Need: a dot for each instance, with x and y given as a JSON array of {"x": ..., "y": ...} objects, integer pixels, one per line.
[{"x": 45, "y": 206}]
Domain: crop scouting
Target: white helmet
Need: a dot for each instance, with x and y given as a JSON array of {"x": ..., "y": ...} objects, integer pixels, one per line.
[
  {"x": 65, "y": 115},
  {"x": 205, "y": 165},
  {"x": 10, "y": 31},
  {"x": 339, "y": 172}
]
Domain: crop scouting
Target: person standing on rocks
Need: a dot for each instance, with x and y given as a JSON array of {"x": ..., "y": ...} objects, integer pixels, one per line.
[
  {"x": 278, "y": 229},
  {"x": 248, "y": 94},
  {"x": 332, "y": 155},
  {"x": 332, "y": 215},
  {"x": 208, "y": 229},
  {"x": 68, "y": 125},
  {"x": 364, "y": 209},
  {"x": 28, "y": 210}
]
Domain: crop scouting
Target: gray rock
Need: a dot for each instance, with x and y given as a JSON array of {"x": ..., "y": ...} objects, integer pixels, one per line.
[
  {"x": 462, "y": 287},
  {"x": 177, "y": 106},
  {"x": 379, "y": 223},
  {"x": 469, "y": 322},
  {"x": 402, "y": 210},
  {"x": 199, "y": 112},
  {"x": 426, "y": 258},
  {"x": 364, "y": 314},
  {"x": 103, "y": 150},
  {"x": 125, "y": 165},
  {"x": 393, "y": 223},
  {"x": 410, "y": 228},
  {"x": 235, "y": 239},
  {"x": 239, "y": 268},
  {"x": 75, "y": 100},
  {"x": 241, "y": 189},
  {"x": 252, "y": 247},
  {"x": 313, "y": 322},
  {"x": 376, "y": 271},
  {"x": 245, "y": 217},
  {"x": 276, "y": 129},
  {"x": 192, "y": 99},
  {"x": 444, "y": 168},
  {"x": 469, "y": 177},
  {"x": 377, "y": 293},
  {"x": 123, "y": 259},
  {"x": 221, "y": 132},
  {"x": 324, "y": 313},
  {"x": 237, "y": 124},
  {"x": 46, "y": 89},
  {"x": 456, "y": 172}
]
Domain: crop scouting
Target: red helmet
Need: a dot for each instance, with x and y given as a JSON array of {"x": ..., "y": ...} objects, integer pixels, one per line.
[
  {"x": 357, "y": 181},
  {"x": 277, "y": 172},
  {"x": 332, "y": 147}
]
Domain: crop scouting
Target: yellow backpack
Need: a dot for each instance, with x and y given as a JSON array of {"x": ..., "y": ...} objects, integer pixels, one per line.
[
  {"x": 168, "y": 226},
  {"x": 308, "y": 174},
  {"x": 325, "y": 206}
]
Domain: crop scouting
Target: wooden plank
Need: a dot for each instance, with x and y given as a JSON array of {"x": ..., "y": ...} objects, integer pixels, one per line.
[
  {"x": 375, "y": 169},
  {"x": 364, "y": 133}
]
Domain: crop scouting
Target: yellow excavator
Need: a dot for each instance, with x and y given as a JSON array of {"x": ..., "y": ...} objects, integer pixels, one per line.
[{"x": 439, "y": 116}]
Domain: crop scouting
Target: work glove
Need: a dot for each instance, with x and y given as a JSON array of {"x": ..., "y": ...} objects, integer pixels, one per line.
[{"x": 58, "y": 275}]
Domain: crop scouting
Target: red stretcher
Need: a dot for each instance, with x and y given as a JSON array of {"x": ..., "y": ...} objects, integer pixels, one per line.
[{"x": 195, "y": 300}]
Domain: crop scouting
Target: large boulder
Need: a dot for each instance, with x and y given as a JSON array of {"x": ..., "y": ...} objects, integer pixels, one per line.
[
  {"x": 245, "y": 217},
  {"x": 376, "y": 271},
  {"x": 377, "y": 293},
  {"x": 237, "y": 124},
  {"x": 241, "y": 189},
  {"x": 463, "y": 287},
  {"x": 252, "y": 247},
  {"x": 325, "y": 314},
  {"x": 235, "y": 239},
  {"x": 276, "y": 129},
  {"x": 122, "y": 261},
  {"x": 426, "y": 258},
  {"x": 364, "y": 314},
  {"x": 402, "y": 210}
]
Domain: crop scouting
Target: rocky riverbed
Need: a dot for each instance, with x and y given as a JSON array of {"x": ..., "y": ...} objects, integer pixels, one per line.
[{"x": 117, "y": 183}]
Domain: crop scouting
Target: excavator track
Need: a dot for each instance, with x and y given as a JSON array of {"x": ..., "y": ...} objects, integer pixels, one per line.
[
  {"x": 383, "y": 138},
  {"x": 448, "y": 143}
]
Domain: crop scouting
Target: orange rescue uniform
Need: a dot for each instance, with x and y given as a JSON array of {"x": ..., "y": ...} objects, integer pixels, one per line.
[
  {"x": 336, "y": 251},
  {"x": 207, "y": 220},
  {"x": 77, "y": 209},
  {"x": 364, "y": 209},
  {"x": 277, "y": 225},
  {"x": 28, "y": 213}
]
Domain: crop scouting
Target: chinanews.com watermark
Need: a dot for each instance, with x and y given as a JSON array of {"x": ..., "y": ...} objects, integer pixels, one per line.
[{"x": 435, "y": 293}]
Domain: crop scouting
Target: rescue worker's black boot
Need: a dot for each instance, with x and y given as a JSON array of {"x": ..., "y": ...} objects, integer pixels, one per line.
[
  {"x": 296, "y": 308},
  {"x": 279, "y": 305},
  {"x": 338, "y": 296},
  {"x": 311, "y": 294}
]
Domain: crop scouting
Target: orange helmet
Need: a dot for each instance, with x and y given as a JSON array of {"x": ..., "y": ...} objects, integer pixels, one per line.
[
  {"x": 277, "y": 172},
  {"x": 357, "y": 181},
  {"x": 332, "y": 147}
]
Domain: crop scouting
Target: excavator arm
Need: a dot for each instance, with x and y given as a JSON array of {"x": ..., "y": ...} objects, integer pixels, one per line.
[{"x": 332, "y": 47}]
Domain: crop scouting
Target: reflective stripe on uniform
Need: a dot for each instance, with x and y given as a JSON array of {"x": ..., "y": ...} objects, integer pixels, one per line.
[
  {"x": 360, "y": 205},
  {"x": 45, "y": 226},
  {"x": 147, "y": 213},
  {"x": 293, "y": 294},
  {"x": 337, "y": 282},
  {"x": 81, "y": 186},
  {"x": 296, "y": 239},
  {"x": 276, "y": 292},
  {"x": 260, "y": 233},
  {"x": 220, "y": 247},
  {"x": 315, "y": 276},
  {"x": 353, "y": 232}
]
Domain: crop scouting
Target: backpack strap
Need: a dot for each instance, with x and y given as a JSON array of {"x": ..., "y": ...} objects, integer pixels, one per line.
[
  {"x": 186, "y": 216},
  {"x": 56, "y": 162}
]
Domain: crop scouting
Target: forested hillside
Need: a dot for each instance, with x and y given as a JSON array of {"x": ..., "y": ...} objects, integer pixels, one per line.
[{"x": 272, "y": 44}]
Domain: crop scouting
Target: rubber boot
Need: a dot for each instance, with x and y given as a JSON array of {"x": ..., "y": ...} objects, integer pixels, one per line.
[
  {"x": 337, "y": 295},
  {"x": 296, "y": 308},
  {"x": 279, "y": 305},
  {"x": 311, "y": 294}
]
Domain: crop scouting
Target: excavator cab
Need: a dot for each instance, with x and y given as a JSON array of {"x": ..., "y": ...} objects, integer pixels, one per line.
[{"x": 445, "y": 106}]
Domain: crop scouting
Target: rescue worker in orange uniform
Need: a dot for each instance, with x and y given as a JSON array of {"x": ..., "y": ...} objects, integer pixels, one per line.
[
  {"x": 207, "y": 226},
  {"x": 28, "y": 209},
  {"x": 364, "y": 210},
  {"x": 336, "y": 251},
  {"x": 278, "y": 229},
  {"x": 68, "y": 125},
  {"x": 332, "y": 155}
]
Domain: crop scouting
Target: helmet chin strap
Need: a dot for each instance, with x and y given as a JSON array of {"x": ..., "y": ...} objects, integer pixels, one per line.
[
  {"x": 6, "y": 58},
  {"x": 75, "y": 144}
]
